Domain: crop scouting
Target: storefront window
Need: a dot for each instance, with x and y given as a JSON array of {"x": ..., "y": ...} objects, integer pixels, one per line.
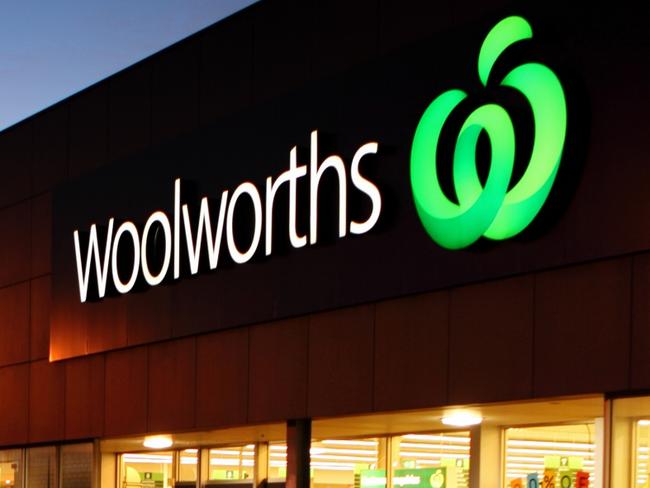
[
  {"x": 347, "y": 462},
  {"x": 42, "y": 467},
  {"x": 146, "y": 470},
  {"x": 559, "y": 455},
  {"x": 232, "y": 463},
  {"x": 630, "y": 448},
  {"x": 76, "y": 465},
  {"x": 426, "y": 460},
  {"x": 11, "y": 468},
  {"x": 277, "y": 461},
  {"x": 188, "y": 467}
]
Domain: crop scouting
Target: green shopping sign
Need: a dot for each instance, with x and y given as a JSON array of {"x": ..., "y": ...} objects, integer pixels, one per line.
[{"x": 490, "y": 209}]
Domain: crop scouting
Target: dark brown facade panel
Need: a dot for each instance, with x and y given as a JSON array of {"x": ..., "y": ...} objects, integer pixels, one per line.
[
  {"x": 277, "y": 375},
  {"x": 491, "y": 341},
  {"x": 39, "y": 318},
  {"x": 172, "y": 385},
  {"x": 611, "y": 204},
  {"x": 84, "y": 397},
  {"x": 405, "y": 21},
  {"x": 15, "y": 243},
  {"x": 640, "y": 340},
  {"x": 202, "y": 300},
  {"x": 222, "y": 378},
  {"x": 88, "y": 130},
  {"x": 14, "y": 408},
  {"x": 68, "y": 335},
  {"x": 341, "y": 362},
  {"x": 582, "y": 329},
  {"x": 411, "y": 363},
  {"x": 14, "y": 324},
  {"x": 282, "y": 47},
  {"x": 46, "y": 401},
  {"x": 41, "y": 235},
  {"x": 345, "y": 34},
  {"x": 175, "y": 91},
  {"x": 106, "y": 326},
  {"x": 148, "y": 315},
  {"x": 126, "y": 392},
  {"x": 477, "y": 11},
  {"x": 16, "y": 158},
  {"x": 226, "y": 68},
  {"x": 50, "y": 148},
  {"x": 129, "y": 111}
]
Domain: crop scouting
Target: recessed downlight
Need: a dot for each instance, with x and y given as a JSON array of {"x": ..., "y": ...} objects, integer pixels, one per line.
[
  {"x": 461, "y": 419},
  {"x": 158, "y": 441}
]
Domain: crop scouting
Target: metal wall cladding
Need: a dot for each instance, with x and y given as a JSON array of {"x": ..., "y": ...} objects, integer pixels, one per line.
[{"x": 569, "y": 295}]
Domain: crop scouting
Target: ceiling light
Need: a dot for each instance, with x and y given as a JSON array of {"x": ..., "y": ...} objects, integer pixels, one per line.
[
  {"x": 157, "y": 441},
  {"x": 461, "y": 419}
]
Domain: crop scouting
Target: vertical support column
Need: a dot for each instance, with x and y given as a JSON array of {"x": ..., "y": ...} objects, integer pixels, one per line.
[
  {"x": 384, "y": 458},
  {"x": 619, "y": 448},
  {"x": 298, "y": 444},
  {"x": 109, "y": 469},
  {"x": 203, "y": 473},
  {"x": 261, "y": 464},
  {"x": 485, "y": 457},
  {"x": 599, "y": 455},
  {"x": 393, "y": 459},
  {"x": 96, "y": 480}
]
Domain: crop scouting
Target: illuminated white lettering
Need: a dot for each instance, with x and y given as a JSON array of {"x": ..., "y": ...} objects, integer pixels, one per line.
[
  {"x": 204, "y": 232},
  {"x": 205, "y": 226},
  {"x": 161, "y": 218},
  {"x": 129, "y": 228},
  {"x": 366, "y": 187},
  {"x": 254, "y": 195},
  {"x": 101, "y": 270},
  {"x": 315, "y": 174}
]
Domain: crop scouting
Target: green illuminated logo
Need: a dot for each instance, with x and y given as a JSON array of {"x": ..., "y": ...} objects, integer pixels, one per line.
[{"x": 490, "y": 209}]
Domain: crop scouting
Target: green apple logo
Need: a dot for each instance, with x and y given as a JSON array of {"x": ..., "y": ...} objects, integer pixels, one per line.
[{"x": 490, "y": 210}]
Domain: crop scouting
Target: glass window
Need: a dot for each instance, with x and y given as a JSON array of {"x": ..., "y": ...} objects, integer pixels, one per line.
[
  {"x": 347, "y": 463},
  {"x": 232, "y": 463},
  {"x": 146, "y": 470},
  {"x": 563, "y": 453},
  {"x": 431, "y": 460},
  {"x": 42, "y": 467},
  {"x": 277, "y": 461},
  {"x": 630, "y": 448},
  {"x": 10, "y": 468},
  {"x": 188, "y": 467},
  {"x": 641, "y": 452},
  {"x": 76, "y": 465}
]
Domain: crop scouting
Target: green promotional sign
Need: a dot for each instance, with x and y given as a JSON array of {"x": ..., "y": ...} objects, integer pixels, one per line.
[
  {"x": 490, "y": 209},
  {"x": 420, "y": 478},
  {"x": 372, "y": 478}
]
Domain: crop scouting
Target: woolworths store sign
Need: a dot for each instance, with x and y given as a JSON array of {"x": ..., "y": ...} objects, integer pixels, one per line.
[
  {"x": 491, "y": 208},
  {"x": 397, "y": 177}
]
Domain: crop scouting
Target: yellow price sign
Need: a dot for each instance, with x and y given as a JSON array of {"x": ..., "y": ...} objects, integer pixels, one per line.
[{"x": 549, "y": 479}]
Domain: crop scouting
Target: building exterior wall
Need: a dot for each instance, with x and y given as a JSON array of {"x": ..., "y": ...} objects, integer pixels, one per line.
[{"x": 572, "y": 329}]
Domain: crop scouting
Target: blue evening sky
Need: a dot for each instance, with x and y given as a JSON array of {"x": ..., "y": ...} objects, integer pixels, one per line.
[{"x": 50, "y": 49}]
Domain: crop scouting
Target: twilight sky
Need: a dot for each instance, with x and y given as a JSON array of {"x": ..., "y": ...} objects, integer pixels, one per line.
[{"x": 50, "y": 49}]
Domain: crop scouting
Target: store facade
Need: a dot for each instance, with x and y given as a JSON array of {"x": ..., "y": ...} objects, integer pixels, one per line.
[{"x": 369, "y": 244}]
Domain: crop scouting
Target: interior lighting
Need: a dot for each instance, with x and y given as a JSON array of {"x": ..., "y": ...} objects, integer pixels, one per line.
[
  {"x": 343, "y": 442},
  {"x": 439, "y": 438},
  {"x": 157, "y": 441},
  {"x": 461, "y": 419}
]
